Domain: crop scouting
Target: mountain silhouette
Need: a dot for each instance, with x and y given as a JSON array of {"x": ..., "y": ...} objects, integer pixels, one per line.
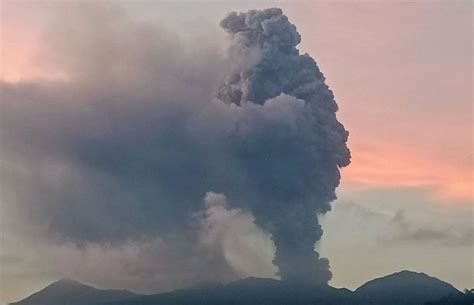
[
  {"x": 69, "y": 292},
  {"x": 248, "y": 291},
  {"x": 466, "y": 298},
  {"x": 405, "y": 287},
  {"x": 402, "y": 288}
]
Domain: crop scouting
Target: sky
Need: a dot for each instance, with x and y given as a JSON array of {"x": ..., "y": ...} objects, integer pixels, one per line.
[{"x": 401, "y": 73}]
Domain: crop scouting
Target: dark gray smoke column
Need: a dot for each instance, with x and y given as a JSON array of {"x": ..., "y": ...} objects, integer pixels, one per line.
[{"x": 293, "y": 167}]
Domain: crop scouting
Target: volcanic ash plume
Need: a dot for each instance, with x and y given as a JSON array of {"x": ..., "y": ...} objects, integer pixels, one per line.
[
  {"x": 288, "y": 141},
  {"x": 130, "y": 149}
]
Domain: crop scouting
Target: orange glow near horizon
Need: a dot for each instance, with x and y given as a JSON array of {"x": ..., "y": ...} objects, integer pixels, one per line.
[
  {"x": 21, "y": 31},
  {"x": 17, "y": 51},
  {"x": 389, "y": 166}
]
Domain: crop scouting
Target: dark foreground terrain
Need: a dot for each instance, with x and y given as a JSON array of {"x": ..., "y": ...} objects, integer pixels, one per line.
[{"x": 402, "y": 288}]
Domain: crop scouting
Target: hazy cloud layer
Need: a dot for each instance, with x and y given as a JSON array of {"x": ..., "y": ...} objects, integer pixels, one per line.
[
  {"x": 106, "y": 159},
  {"x": 408, "y": 231}
]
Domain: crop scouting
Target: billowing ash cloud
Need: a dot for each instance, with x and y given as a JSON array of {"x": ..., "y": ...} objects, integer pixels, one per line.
[
  {"x": 128, "y": 153},
  {"x": 292, "y": 162}
]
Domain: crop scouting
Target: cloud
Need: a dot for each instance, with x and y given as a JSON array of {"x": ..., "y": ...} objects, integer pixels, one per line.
[
  {"x": 406, "y": 230},
  {"x": 400, "y": 227},
  {"x": 93, "y": 165},
  {"x": 234, "y": 237},
  {"x": 229, "y": 246}
]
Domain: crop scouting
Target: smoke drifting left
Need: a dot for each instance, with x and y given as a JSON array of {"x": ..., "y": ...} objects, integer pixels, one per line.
[{"x": 127, "y": 149}]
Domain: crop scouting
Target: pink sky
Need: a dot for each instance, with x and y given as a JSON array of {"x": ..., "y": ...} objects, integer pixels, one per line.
[{"x": 402, "y": 76}]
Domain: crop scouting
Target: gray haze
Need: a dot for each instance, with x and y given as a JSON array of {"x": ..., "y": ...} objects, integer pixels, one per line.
[{"x": 127, "y": 150}]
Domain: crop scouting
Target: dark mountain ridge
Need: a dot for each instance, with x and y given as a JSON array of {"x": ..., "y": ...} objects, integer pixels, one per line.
[
  {"x": 70, "y": 292},
  {"x": 402, "y": 288},
  {"x": 405, "y": 287},
  {"x": 249, "y": 291}
]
